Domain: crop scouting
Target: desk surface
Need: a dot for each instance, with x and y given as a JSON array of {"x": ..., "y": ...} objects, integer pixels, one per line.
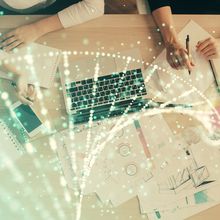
[{"x": 43, "y": 196}]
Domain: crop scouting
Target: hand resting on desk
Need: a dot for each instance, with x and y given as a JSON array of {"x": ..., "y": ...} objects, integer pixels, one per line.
[{"x": 209, "y": 48}]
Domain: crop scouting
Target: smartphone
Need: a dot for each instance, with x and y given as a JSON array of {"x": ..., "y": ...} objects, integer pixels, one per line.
[{"x": 27, "y": 118}]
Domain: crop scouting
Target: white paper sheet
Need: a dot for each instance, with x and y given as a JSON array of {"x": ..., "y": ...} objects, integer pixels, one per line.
[
  {"x": 187, "y": 87},
  {"x": 38, "y": 62}
]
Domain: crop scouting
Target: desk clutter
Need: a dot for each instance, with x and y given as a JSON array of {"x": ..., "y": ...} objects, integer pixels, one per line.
[{"x": 174, "y": 176}]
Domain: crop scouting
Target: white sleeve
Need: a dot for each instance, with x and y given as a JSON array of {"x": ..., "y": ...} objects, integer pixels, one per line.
[{"x": 81, "y": 12}]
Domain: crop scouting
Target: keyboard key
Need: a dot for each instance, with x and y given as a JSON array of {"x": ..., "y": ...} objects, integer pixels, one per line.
[
  {"x": 72, "y": 95},
  {"x": 74, "y": 105},
  {"x": 89, "y": 81},
  {"x": 76, "y": 99},
  {"x": 101, "y": 83},
  {"x": 89, "y": 91},
  {"x": 71, "y": 90},
  {"x": 86, "y": 86}
]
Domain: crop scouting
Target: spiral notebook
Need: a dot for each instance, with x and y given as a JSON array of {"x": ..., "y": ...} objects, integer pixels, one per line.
[
  {"x": 11, "y": 149},
  {"x": 38, "y": 62}
]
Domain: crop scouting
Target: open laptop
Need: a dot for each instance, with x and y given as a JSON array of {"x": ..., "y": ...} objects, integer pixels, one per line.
[{"x": 99, "y": 88}]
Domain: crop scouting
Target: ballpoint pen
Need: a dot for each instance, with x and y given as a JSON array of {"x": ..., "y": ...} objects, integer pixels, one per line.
[{"x": 187, "y": 48}]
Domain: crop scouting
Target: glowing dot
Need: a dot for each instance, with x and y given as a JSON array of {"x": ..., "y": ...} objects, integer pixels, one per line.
[
  {"x": 4, "y": 95},
  {"x": 66, "y": 72},
  {"x": 67, "y": 197},
  {"x": 8, "y": 103},
  {"x": 53, "y": 144},
  {"x": 62, "y": 181},
  {"x": 29, "y": 148},
  {"x": 51, "y": 54},
  {"x": 44, "y": 111}
]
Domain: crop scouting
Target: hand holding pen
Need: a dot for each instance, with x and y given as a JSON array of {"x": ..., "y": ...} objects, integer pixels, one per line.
[
  {"x": 26, "y": 93},
  {"x": 177, "y": 56}
]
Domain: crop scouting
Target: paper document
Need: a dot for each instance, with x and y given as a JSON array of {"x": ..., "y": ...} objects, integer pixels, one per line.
[
  {"x": 38, "y": 62},
  {"x": 178, "y": 86}
]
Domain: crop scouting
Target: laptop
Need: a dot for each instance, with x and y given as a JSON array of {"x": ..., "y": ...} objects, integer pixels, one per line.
[{"x": 100, "y": 88}]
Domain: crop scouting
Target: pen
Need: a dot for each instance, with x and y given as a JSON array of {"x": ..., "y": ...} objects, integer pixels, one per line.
[
  {"x": 215, "y": 78},
  {"x": 187, "y": 48}
]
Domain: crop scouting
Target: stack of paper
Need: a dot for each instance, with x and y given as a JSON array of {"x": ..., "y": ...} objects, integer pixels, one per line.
[{"x": 173, "y": 178}]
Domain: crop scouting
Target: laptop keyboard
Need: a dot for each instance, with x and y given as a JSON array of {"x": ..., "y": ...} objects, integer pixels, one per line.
[{"x": 107, "y": 89}]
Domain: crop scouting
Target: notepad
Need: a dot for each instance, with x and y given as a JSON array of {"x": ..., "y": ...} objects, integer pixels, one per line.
[
  {"x": 11, "y": 149},
  {"x": 37, "y": 61}
]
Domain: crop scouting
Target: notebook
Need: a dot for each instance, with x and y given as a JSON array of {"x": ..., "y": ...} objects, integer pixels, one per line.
[
  {"x": 38, "y": 62},
  {"x": 11, "y": 149}
]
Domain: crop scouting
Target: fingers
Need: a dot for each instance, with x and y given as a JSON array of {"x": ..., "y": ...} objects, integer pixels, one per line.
[
  {"x": 13, "y": 45},
  {"x": 208, "y": 48},
  {"x": 27, "y": 96},
  {"x": 24, "y": 100},
  {"x": 31, "y": 93},
  {"x": 203, "y": 44},
  {"x": 181, "y": 61},
  {"x": 210, "y": 54},
  {"x": 10, "y": 41},
  {"x": 173, "y": 61},
  {"x": 7, "y": 36}
]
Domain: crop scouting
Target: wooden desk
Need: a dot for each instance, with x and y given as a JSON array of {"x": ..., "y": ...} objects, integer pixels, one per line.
[{"x": 43, "y": 195}]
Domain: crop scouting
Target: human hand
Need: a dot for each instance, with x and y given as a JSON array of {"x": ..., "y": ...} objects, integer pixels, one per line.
[
  {"x": 209, "y": 48},
  {"x": 26, "y": 92},
  {"x": 20, "y": 37},
  {"x": 177, "y": 56}
]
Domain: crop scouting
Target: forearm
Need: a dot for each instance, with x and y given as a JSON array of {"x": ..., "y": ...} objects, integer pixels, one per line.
[
  {"x": 48, "y": 25},
  {"x": 164, "y": 20}
]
